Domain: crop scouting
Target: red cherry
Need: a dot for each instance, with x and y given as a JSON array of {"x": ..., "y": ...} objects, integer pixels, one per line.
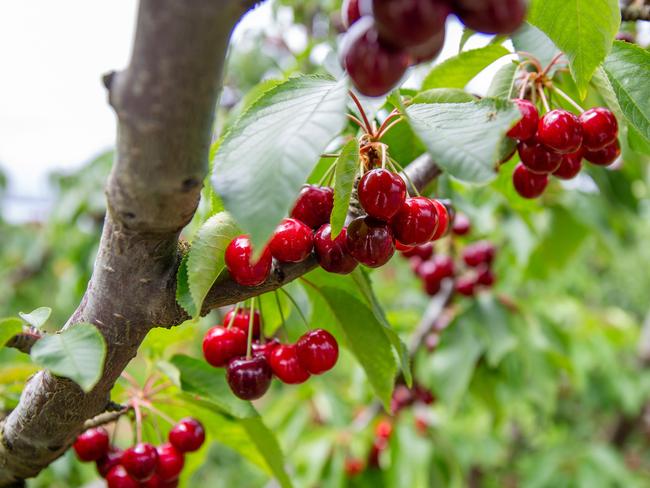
[
  {"x": 485, "y": 276},
  {"x": 406, "y": 23},
  {"x": 370, "y": 242},
  {"x": 188, "y": 435},
  {"x": 402, "y": 397},
  {"x": 384, "y": 429},
  {"x": 560, "y": 130},
  {"x": 109, "y": 461},
  {"x": 118, "y": 477},
  {"x": 491, "y": 16},
  {"x": 415, "y": 262},
  {"x": 403, "y": 248},
  {"x": 140, "y": 461},
  {"x": 242, "y": 319},
  {"x": 92, "y": 444},
  {"x": 292, "y": 241},
  {"x": 428, "y": 50},
  {"x": 350, "y": 12},
  {"x": 424, "y": 251},
  {"x": 238, "y": 261},
  {"x": 157, "y": 482},
  {"x": 314, "y": 205},
  {"x": 570, "y": 166},
  {"x": 444, "y": 266},
  {"x": 318, "y": 351},
  {"x": 259, "y": 349},
  {"x": 443, "y": 220},
  {"x": 465, "y": 286},
  {"x": 353, "y": 467},
  {"x": 333, "y": 255},
  {"x": 432, "y": 286},
  {"x": 170, "y": 462},
  {"x": 599, "y": 128},
  {"x": 526, "y": 128},
  {"x": 381, "y": 193},
  {"x": 250, "y": 378},
  {"x": 461, "y": 225},
  {"x": 416, "y": 222},
  {"x": 374, "y": 67},
  {"x": 220, "y": 345},
  {"x": 286, "y": 366},
  {"x": 604, "y": 156},
  {"x": 481, "y": 252},
  {"x": 538, "y": 158},
  {"x": 527, "y": 183}
]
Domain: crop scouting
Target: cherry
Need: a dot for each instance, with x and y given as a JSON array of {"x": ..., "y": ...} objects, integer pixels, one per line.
[
  {"x": 370, "y": 242},
  {"x": 384, "y": 429},
  {"x": 242, "y": 319},
  {"x": 170, "y": 462},
  {"x": 333, "y": 255},
  {"x": 461, "y": 225},
  {"x": 527, "y": 183},
  {"x": 265, "y": 349},
  {"x": 249, "y": 378},
  {"x": 570, "y": 166},
  {"x": 109, "y": 461},
  {"x": 406, "y": 23},
  {"x": 481, "y": 252},
  {"x": 188, "y": 435},
  {"x": 444, "y": 266},
  {"x": 92, "y": 444},
  {"x": 432, "y": 286},
  {"x": 220, "y": 345},
  {"x": 491, "y": 16},
  {"x": 604, "y": 156},
  {"x": 485, "y": 276},
  {"x": 286, "y": 366},
  {"x": 314, "y": 205},
  {"x": 291, "y": 242},
  {"x": 350, "y": 12},
  {"x": 416, "y": 222},
  {"x": 443, "y": 220},
  {"x": 118, "y": 477},
  {"x": 157, "y": 482},
  {"x": 373, "y": 66},
  {"x": 238, "y": 261},
  {"x": 353, "y": 467},
  {"x": 402, "y": 397},
  {"x": 560, "y": 130},
  {"x": 428, "y": 50},
  {"x": 599, "y": 128},
  {"x": 424, "y": 251},
  {"x": 423, "y": 395},
  {"x": 526, "y": 128},
  {"x": 465, "y": 286},
  {"x": 140, "y": 461},
  {"x": 538, "y": 158},
  {"x": 381, "y": 193},
  {"x": 403, "y": 248},
  {"x": 415, "y": 262},
  {"x": 318, "y": 351}
]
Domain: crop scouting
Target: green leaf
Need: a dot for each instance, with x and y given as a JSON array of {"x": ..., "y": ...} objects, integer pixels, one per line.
[
  {"x": 36, "y": 318},
  {"x": 627, "y": 69},
  {"x": 77, "y": 353},
  {"x": 9, "y": 327},
  {"x": 443, "y": 95},
  {"x": 267, "y": 444},
  {"x": 464, "y": 138},
  {"x": 183, "y": 295},
  {"x": 458, "y": 71},
  {"x": 205, "y": 261},
  {"x": 583, "y": 29},
  {"x": 530, "y": 39},
  {"x": 346, "y": 170},
  {"x": 270, "y": 151},
  {"x": 503, "y": 82}
]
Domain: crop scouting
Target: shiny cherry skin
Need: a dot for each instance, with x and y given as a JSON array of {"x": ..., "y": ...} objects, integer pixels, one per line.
[
  {"x": 538, "y": 158},
  {"x": 481, "y": 252},
  {"x": 242, "y": 319},
  {"x": 416, "y": 222},
  {"x": 221, "y": 344},
  {"x": 374, "y": 67},
  {"x": 318, "y": 351},
  {"x": 118, "y": 477},
  {"x": 560, "y": 130},
  {"x": 91, "y": 445},
  {"x": 527, "y": 183},
  {"x": 491, "y": 16},
  {"x": 432, "y": 286},
  {"x": 140, "y": 461},
  {"x": 333, "y": 255},
  {"x": 286, "y": 366},
  {"x": 188, "y": 435},
  {"x": 443, "y": 220},
  {"x": 157, "y": 482},
  {"x": 249, "y": 378},
  {"x": 407, "y": 23},
  {"x": 403, "y": 248},
  {"x": 170, "y": 462},
  {"x": 461, "y": 225},
  {"x": 109, "y": 461},
  {"x": 381, "y": 193},
  {"x": 239, "y": 254},
  {"x": 526, "y": 128},
  {"x": 292, "y": 241},
  {"x": 465, "y": 285},
  {"x": 428, "y": 50},
  {"x": 570, "y": 165},
  {"x": 370, "y": 242},
  {"x": 604, "y": 156},
  {"x": 314, "y": 205},
  {"x": 423, "y": 251},
  {"x": 259, "y": 349},
  {"x": 485, "y": 276},
  {"x": 599, "y": 128}
]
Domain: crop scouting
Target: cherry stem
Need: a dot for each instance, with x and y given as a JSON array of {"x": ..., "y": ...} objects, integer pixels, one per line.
[
  {"x": 232, "y": 317},
  {"x": 391, "y": 116},
  {"x": 356, "y": 121},
  {"x": 567, "y": 98},
  {"x": 159, "y": 388},
  {"x": 399, "y": 169},
  {"x": 149, "y": 384},
  {"x": 383, "y": 130},
  {"x": 542, "y": 95},
  {"x": 159, "y": 413},
  {"x": 138, "y": 419},
  {"x": 251, "y": 318},
  {"x": 130, "y": 379},
  {"x": 330, "y": 155},
  {"x": 524, "y": 85},
  {"x": 327, "y": 174},
  {"x": 553, "y": 62},
  {"x": 295, "y": 304},
  {"x": 362, "y": 112},
  {"x": 532, "y": 59}
]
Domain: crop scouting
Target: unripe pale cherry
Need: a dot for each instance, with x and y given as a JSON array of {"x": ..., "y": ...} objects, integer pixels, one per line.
[
  {"x": 527, "y": 183},
  {"x": 238, "y": 258},
  {"x": 291, "y": 242}
]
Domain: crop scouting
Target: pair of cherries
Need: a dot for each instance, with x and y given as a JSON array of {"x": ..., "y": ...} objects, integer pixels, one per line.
[
  {"x": 385, "y": 37},
  {"x": 143, "y": 465},
  {"x": 556, "y": 144}
]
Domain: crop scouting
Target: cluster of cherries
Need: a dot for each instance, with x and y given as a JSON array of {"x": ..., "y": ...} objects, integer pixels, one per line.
[
  {"x": 385, "y": 37},
  {"x": 556, "y": 143},
  {"x": 143, "y": 465},
  {"x": 250, "y": 366}
]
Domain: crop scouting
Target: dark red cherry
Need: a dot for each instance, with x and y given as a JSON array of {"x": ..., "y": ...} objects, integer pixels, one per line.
[
  {"x": 375, "y": 68},
  {"x": 292, "y": 241},
  {"x": 92, "y": 444},
  {"x": 109, "y": 461},
  {"x": 527, "y": 183},
  {"x": 286, "y": 366},
  {"x": 265, "y": 349},
  {"x": 153, "y": 482},
  {"x": 526, "y": 128},
  {"x": 570, "y": 166},
  {"x": 333, "y": 255},
  {"x": 370, "y": 242},
  {"x": 444, "y": 266},
  {"x": 560, "y": 130},
  {"x": 318, "y": 351},
  {"x": 485, "y": 276},
  {"x": 491, "y": 16},
  {"x": 431, "y": 286},
  {"x": 220, "y": 345},
  {"x": 250, "y": 378},
  {"x": 118, "y": 477},
  {"x": 428, "y": 50},
  {"x": 465, "y": 285},
  {"x": 140, "y": 461},
  {"x": 188, "y": 435},
  {"x": 481, "y": 252},
  {"x": 416, "y": 222},
  {"x": 423, "y": 251},
  {"x": 242, "y": 319},
  {"x": 599, "y": 128},
  {"x": 239, "y": 254},
  {"x": 350, "y": 12},
  {"x": 538, "y": 158},
  {"x": 461, "y": 225},
  {"x": 443, "y": 220},
  {"x": 381, "y": 193},
  {"x": 404, "y": 249},
  {"x": 604, "y": 156},
  {"x": 314, "y": 205},
  {"x": 170, "y": 462},
  {"x": 353, "y": 467},
  {"x": 406, "y": 23}
]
